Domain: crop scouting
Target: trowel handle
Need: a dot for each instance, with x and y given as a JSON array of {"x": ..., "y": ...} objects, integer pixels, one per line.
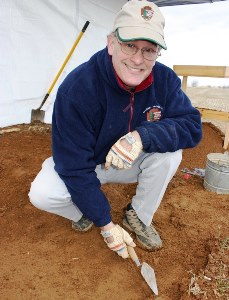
[{"x": 133, "y": 255}]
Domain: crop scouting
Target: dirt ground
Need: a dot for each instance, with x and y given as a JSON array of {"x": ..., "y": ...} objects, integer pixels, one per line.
[{"x": 43, "y": 258}]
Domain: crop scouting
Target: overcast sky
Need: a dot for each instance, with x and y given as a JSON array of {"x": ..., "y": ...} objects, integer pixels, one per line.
[{"x": 197, "y": 35}]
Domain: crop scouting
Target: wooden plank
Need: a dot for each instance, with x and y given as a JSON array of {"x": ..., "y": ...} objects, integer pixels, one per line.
[
  {"x": 214, "y": 114},
  {"x": 226, "y": 138},
  {"x": 227, "y": 72},
  {"x": 202, "y": 71}
]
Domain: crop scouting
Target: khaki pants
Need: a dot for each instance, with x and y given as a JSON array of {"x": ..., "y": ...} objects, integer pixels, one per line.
[{"x": 152, "y": 172}]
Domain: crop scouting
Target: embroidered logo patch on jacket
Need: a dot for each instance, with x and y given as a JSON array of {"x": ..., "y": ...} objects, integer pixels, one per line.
[{"x": 154, "y": 114}]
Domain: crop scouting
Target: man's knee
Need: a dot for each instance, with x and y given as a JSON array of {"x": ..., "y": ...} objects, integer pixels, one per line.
[
  {"x": 173, "y": 159},
  {"x": 167, "y": 160},
  {"x": 46, "y": 183},
  {"x": 38, "y": 196}
]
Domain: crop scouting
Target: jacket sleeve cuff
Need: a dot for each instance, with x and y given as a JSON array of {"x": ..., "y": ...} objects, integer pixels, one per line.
[
  {"x": 144, "y": 137},
  {"x": 104, "y": 221}
]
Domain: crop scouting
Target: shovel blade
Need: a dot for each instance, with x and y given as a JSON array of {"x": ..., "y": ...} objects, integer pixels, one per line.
[
  {"x": 149, "y": 276},
  {"x": 37, "y": 115}
]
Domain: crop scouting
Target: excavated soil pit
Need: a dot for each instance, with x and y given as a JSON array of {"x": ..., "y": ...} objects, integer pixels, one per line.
[{"x": 43, "y": 258}]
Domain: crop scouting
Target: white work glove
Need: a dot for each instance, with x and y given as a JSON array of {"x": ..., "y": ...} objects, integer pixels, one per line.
[
  {"x": 116, "y": 239},
  {"x": 120, "y": 157}
]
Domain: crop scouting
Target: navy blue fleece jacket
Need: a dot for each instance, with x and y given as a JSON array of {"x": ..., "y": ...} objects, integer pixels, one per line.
[{"x": 92, "y": 111}]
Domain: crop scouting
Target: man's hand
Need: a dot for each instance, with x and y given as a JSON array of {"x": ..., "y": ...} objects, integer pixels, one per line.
[
  {"x": 124, "y": 152},
  {"x": 116, "y": 239}
]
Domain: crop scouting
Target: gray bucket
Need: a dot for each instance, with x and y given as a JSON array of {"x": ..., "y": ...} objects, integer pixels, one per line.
[{"x": 217, "y": 173}]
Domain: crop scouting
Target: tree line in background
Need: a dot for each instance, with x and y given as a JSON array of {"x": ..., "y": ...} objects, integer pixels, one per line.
[{"x": 195, "y": 83}]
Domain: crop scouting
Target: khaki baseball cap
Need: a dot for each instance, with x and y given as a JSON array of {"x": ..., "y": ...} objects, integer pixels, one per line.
[{"x": 140, "y": 20}]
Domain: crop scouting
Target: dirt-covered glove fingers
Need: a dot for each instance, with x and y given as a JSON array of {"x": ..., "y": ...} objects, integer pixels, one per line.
[
  {"x": 114, "y": 238},
  {"x": 123, "y": 252},
  {"x": 113, "y": 159},
  {"x": 120, "y": 164},
  {"x": 126, "y": 237},
  {"x": 108, "y": 160},
  {"x": 120, "y": 157},
  {"x": 116, "y": 161}
]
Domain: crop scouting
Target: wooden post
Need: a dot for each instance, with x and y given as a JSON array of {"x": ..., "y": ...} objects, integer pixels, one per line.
[
  {"x": 226, "y": 138},
  {"x": 184, "y": 83}
]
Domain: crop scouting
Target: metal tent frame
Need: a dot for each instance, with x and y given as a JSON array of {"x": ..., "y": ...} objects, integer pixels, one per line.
[{"x": 182, "y": 2}]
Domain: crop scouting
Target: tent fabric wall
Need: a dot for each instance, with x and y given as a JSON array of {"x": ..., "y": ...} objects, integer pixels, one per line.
[
  {"x": 181, "y": 2},
  {"x": 35, "y": 38}
]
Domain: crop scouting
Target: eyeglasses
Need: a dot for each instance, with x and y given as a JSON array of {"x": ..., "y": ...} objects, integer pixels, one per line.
[{"x": 131, "y": 49}]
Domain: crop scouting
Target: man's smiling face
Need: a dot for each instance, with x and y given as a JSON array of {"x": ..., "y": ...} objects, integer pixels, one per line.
[{"x": 131, "y": 69}]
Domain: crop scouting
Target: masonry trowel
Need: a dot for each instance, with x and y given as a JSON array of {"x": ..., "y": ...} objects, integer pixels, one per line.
[{"x": 146, "y": 271}]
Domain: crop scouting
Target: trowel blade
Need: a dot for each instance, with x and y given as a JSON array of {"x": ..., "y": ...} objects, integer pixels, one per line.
[{"x": 149, "y": 276}]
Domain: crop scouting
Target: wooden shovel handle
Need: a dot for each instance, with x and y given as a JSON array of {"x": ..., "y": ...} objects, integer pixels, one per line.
[
  {"x": 133, "y": 255},
  {"x": 64, "y": 63}
]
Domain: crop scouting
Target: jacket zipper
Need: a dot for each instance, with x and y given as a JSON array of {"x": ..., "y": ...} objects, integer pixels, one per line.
[{"x": 131, "y": 111}]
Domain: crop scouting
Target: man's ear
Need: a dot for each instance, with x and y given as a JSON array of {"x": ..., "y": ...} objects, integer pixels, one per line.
[{"x": 110, "y": 44}]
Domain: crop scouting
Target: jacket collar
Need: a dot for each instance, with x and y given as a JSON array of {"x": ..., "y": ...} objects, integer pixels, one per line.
[{"x": 142, "y": 86}]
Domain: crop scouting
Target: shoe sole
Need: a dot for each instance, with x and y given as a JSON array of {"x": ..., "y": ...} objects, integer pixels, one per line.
[{"x": 127, "y": 226}]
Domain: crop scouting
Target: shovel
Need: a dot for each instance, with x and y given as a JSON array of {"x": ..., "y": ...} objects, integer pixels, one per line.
[
  {"x": 38, "y": 114},
  {"x": 146, "y": 271}
]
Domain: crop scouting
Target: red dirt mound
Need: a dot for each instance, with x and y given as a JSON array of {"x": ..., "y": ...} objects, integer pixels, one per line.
[{"x": 43, "y": 258}]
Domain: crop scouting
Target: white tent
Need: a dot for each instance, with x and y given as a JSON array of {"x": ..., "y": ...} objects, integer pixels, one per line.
[
  {"x": 181, "y": 2},
  {"x": 35, "y": 38}
]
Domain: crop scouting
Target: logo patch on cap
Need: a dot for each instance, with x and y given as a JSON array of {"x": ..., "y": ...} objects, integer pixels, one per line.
[{"x": 147, "y": 12}]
